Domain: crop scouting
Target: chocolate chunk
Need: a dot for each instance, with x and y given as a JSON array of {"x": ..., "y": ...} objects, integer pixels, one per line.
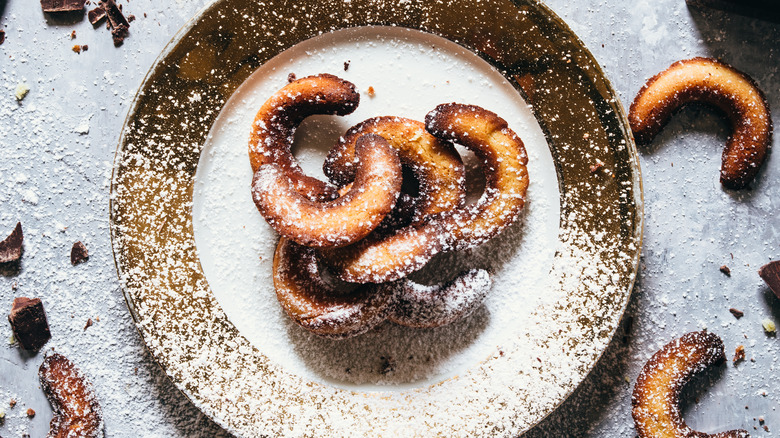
[
  {"x": 78, "y": 253},
  {"x": 737, "y": 313},
  {"x": 2, "y": 36},
  {"x": 11, "y": 247},
  {"x": 28, "y": 322},
  {"x": 96, "y": 15},
  {"x": 114, "y": 14},
  {"x": 725, "y": 269},
  {"x": 62, "y": 5},
  {"x": 119, "y": 34},
  {"x": 346, "y": 65},
  {"x": 770, "y": 272}
]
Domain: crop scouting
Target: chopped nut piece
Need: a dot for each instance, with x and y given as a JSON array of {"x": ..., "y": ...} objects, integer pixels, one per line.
[
  {"x": 769, "y": 325},
  {"x": 737, "y": 313},
  {"x": 11, "y": 246},
  {"x": 73, "y": 35},
  {"x": 78, "y": 253},
  {"x": 76, "y": 48},
  {"x": 371, "y": 92},
  {"x": 770, "y": 273},
  {"x": 30, "y": 412},
  {"x": 28, "y": 322},
  {"x": 12, "y": 403},
  {"x": 291, "y": 77},
  {"x": 739, "y": 354},
  {"x": 88, "y": 324},
  {"x": 725, "y": 269},
  {"x": 21, "y": 91}
]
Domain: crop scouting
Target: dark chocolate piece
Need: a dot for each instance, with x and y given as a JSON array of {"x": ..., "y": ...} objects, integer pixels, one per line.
[
  {"x": 119, "y": 34},
  {"x": 114, "y": 14},
  {"x": 2, "y": 36},
  {"x": 737, "y": 313},
  {"x": 725, "y": 269},
  {"x": 28, "y": 322},
  {"x": 11, "y": 247},
  {"x": 62, "y": 5},
  {"x": 78, "y": 253},
  {"x": 770, "y": 272},
  {"x": 763, "y": 9},
  {"x": 96, "y": 15}
]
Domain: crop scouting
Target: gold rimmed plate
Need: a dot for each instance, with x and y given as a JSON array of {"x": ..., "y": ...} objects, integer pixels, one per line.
[{"x": 491, "y": 375}]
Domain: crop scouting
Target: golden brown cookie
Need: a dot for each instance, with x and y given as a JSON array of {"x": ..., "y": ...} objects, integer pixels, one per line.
[
  {"x": 341, "y": 221},
  {"x": 76, "y": 409},
  {"x": 438, "y": 169},
  {"x": 504, "y": 163},
  {"x": 711, "y": 82},
  {"x": 318, "y": 307},
  {"x": 273, "y": 129},
  {"x": 656, "y": 398}
]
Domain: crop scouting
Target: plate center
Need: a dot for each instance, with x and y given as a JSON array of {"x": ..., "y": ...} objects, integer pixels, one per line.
[{"x": 410, "y": 72}]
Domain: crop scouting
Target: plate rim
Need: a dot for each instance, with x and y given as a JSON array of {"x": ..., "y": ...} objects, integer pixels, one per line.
[{"x": 550, "y": 14}]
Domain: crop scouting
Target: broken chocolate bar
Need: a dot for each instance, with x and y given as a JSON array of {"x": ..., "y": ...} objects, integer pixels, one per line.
[
  {"x": 62, "y": 5},
  {"x": 28, "y": 322},
  {"x": 11, "y": 247},
  {"x": 78, "y": 253},
  {"x": 95, "y": 15},
  {"x": 770, "y": 272},
  {"x": 114, "y": 14}
]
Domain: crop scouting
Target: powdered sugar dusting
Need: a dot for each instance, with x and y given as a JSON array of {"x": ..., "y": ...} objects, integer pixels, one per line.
[
  {"x": 229, "y": 232},
  {"x": 520, "y": 354}
]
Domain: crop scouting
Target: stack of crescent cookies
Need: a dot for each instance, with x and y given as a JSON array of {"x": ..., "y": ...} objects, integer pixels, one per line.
[{"x": 348, "y": 244}]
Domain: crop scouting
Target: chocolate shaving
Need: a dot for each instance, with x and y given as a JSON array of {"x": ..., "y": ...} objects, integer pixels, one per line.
[
  {"x": 119, "y": 34},
  {"x": 96, "y": 15},
  {"x": 28, "y": 322},
  {"x": 737, "y": 313},
  {"x": 78, "y": 253},
  {"x": 725, "y": 269},
  {"x": 62, "y": 5},
  {"x": 11, "y": 247},
  {"x": 770, "y": 273}
]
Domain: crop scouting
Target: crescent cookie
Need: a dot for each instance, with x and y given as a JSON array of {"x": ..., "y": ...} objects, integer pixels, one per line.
[
  {"x": 273, "y": 129},
  {"x": 656, "y": 398},
  {"x": 341, "y": 221},
  {"x": 504, "y": 163},
  {"x": 318, "y": 307},
  {"x": 712, "y": 82},
  {"x": 441, "y": 175}
]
